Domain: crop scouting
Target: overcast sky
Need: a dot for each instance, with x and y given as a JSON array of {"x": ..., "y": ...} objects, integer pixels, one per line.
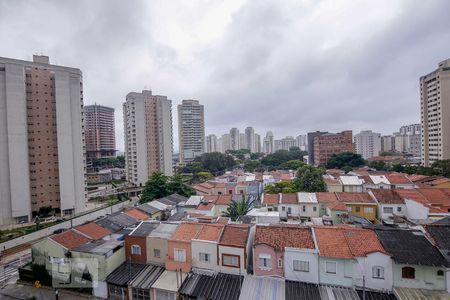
[{"x": 286, "y": 66}]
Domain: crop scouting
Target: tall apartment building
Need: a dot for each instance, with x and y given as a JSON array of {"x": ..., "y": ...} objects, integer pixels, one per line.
[
  {"x": 257, "y": 143},
  {"x": 367, "y": 143},
  {"x": 191, "y": 130},
  {"x": 249, "y": 139},
  {"x": 268, "y": 143},
  {"x": 42, "y": 143},
  {"x": 99, "y": 132},
  {"x": 310, "y": 137},
  {"x": 234, "y": 139},
  {"x": 387, "y": 143},
  {"x": 224, "y": 143},
  {"x": 285, "y": 143},
  {"x": 327, "y": 144},
  {"x": 211, "y": 143},
  {"x": 302, "y": 142},
  {"x": 148, "y": 136},
  {"x": 242, "y": 141},
  {"x": 435, "y": 114}
]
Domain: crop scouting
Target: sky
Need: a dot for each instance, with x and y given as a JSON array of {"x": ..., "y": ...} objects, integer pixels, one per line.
[{"x": 285, "y": 66}]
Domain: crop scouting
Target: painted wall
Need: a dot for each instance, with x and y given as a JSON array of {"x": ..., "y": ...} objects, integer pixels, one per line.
[
  {"x": 173, "y": 265},
  {"x": 233, "y": 251},
  {"x": 371, "y": 216},
  {"x": 106, "y": 265},
  {"x": 344, "y": 272},
  {"x": 415, "y": 210},
  {"x": 309, "y": 210},
  {"x": 204, "y": 247},
  {"x": 394, "y": 207},
  {"x": 43, "y": 249},
  {"x": 139, "y": 241},
  {"x": 157, "y": 243},
  {"x": 364, "y": 265},
  {"x": 425, "y": 278},
  {"x": 311, "y": 256},
  {"x": 274, "y": 269}
]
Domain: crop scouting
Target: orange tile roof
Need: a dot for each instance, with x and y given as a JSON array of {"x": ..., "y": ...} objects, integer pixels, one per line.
[
  {"x": 186, "y": 232},
  {"x": 281, "y": 236},
  {"x": 224, "y": 199},
  {"x": 93, "y": 231},
  {"x": 435, "y": 196},
  {"x": 415, "y": 195},
  {"x": 223, "y": 220},
  {"x": 289, "y": 198},
  {"x": 440, "y": 181},
  {"x": 417, "y": 177},
  {"x": 210, "y": 232},
  {"x": 331, "y": 201},
  {"x": 271, "y": 199},
  {"x": 209, "y": 205},
  {"x": 346, "y": 242},
  {"x": 70, "y": 239},
  {"x": 235, "y": 235},
  {"x": 398, "y": 179},
  {"x": 387, "y": 196},
  {"x": 347, "y": 197},
  {"x": 137, "y": 214}
]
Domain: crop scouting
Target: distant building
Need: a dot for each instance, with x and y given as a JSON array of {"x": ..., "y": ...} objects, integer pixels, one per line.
[
  {"x": 387, "y": 143},
  {"x": 224, "y": 143},
  {"x": 99, "y": 131},
  {"x": 191, "y": 130},
  {"x": 310, "y": 138},
  {"x": 148, "y": 136},
  {"x": 242, "y": 141},
  {"x": 302, "y": 142},
  {"x": 368, "y": 143},
  {"x": 211, "y": 143},
  {"x": 268, "y": 143},
  {"x": 234, "y": 139},
  {"x": 435, "y": 114},
  {"x": 249, "y": 139},
  {"x": 257, "y": 143},
  {"x": 326, "y": 145},
  {"x": 42, "y": 139}
]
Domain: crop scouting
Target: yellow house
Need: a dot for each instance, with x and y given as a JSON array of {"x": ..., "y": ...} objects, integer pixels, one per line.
[{"x": 359, "y": 204}]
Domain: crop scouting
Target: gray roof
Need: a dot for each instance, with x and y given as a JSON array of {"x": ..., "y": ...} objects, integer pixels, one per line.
[
  {"x": 164, "y": 230},
  {"x": 148, "y": 208},
  {"x": 117, "y": 221},
  {"x": 337, "y": 293},
  {"x": 370, "y": 295},
  {"x": 100, "y": 247},
  {"x": 301, "y": 290},
  {"x": 178, "y": 216},
  {"x": 147, "y": 277},
  {"x": 126, "y": 272},
  {"x": 218, "y": 287},
  {"x": 144, "y": 229},
  {"x": 418, "y": 294},
  {"x": 443, "y": 221},
  {"x": 262, "y": 288}
]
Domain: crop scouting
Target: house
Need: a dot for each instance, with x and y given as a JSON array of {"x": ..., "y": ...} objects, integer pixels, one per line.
[
  {"x": 389, "y": 203},
  {"x": 137, "y": 214},
  {"x": 440, "y": 236},
  {"x": 108, "y": 256},
  {"x": 222, "y": 203},
  {"x": 157, "y": 243},
  {"x": 333, "y": 184},
  {"x": 308, "y": 206},
  {"x": 416, "y": 262},
  {"x": 117, "y": 221},
  {"x": 330, "y": 206},
  {"x": 359, "y": 204},
  {"x": 400, "y": 181},
  {"x": 118, "y": 281},
  {"x": 418, "y": 206},
  {"x": 269, "y": 249},
  {"x": 262, "y": 216},
  {"x": 217, "y": 286},
  {"x": 141, "y": 285},
  {"x": 270, "y": 201},
  {"x": 353, "y": 257},
  {"x": 206, "y": 205},
  {"x": 180, "y": 247},
  {"x": 288, "y": 207},
  {"x": 93, "y": 231},
  {"x": 204, "y": 248},
  {"x": 153, "y": 213},
  {"x": 376, "y": 182},
  {"x": 136, "y": 242},
  {"x": 352, "y": 184},
  {"x": 235, "y": 248}
]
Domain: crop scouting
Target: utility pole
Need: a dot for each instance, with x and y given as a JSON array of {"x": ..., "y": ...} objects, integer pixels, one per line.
[{"x": 364, "y": 287}]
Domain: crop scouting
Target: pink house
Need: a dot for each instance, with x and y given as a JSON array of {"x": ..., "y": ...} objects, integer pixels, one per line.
[
  {"x": 270, "y": 243},
  {"x": 180, "y": 247}
]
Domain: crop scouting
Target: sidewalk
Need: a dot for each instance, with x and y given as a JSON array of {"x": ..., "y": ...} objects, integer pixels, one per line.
[{"x": 24, "y": 292}]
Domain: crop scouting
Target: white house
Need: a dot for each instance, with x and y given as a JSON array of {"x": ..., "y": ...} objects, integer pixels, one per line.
[
  {"x": 389, "y": 203},
  {"x": 289, "y": 207},
  {"x": 376, "y": 182},
  {"x": 301, "y": 264},
  {"x": 308, "y": 206},
  {"x": 352, "y": 184},
  {"x": 204, "y": 248}
]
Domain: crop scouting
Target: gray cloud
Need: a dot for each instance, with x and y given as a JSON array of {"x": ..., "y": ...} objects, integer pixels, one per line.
[{"x": 287, "y": 67}]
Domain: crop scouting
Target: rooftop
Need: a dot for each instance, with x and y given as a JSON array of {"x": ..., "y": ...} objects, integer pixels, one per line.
[
  {"x": 164, "y": 231},
  {"x": 271, "y": 199},
  {"x": 144, "y": 229},
  {"x": 354, "y": 197},
  {"x": 219, "y": 287},
  {"x": 289, "y": 198},
  {"x": 210, "y": 232},
  {"x": 262, "y": 288},
  {"x": 100, "y": 247},
  {"x": 224, "y": 199},
  {"x": 137, "y": 214},
  {"x": 281, "y": 236},
  {"x": 398, "y": 179},
  {"x": 147, "y": 277},
  {"x": 70, "y": 239},
  {"x": 351, "y": 180},
  {"x": 186, "y": 232},
  {"x": 93, "y": 231},
  {"x": 235, "y": 235},
  {"x": 307, "y": 198},
  {"x": 126, "y": 272},
  {"x": 384, "y": 196}
]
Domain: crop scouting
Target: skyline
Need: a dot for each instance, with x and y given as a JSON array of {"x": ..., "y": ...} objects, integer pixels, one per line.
[{"x": 240, "y": 61}]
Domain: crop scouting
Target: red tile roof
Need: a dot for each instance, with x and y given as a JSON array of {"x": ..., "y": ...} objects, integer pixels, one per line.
[
  {"x": 347, "y": 197},
  {"x": 224, "y": 199},
  {"x": 440, "y": 181},
  {"x": 186, "y": 232},
  {"x": 387, "y": 196},
  {"x": 271, "y": 199},
  {"x": 435, "y": 196},
  {"x": 70, "y": 239},
  {"x": 331, "y": 201},
  {"x": 398, "y": 179},
  {"x": 137, "y": 214},
  {"x": 415, "y": 195},
  {"x": 210, "y": 232},
  {"x": 235, "y": 235},
  {"x": 289, "y": 198},
  {"x": 93, "y": 231},
  {"x": 281, "y": 236}
]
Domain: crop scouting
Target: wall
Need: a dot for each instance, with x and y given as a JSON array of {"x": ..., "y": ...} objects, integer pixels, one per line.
[
  {"x": 45, "y": 248},
  {"x": 139, "y": 241},
  {"x": 425, "y": 278},
  {"x": 106, "y": 265},
  {"x": 233, "y": 251},
  {"x": 363, "y": 266},
  {"x": 344, "y": 272},
  {"x": 171, "y": 264},
  {"x": 273, "y": 270},
  {"x": 204, "y": 247},
  {"x": 383, "y": 215},
  {"x": 309, "y": 210},
  {"x": 415, "y": 210},
  {"x": 353, "y": 188},
  {"x": 371, "y": 216},
  {"x": 157, "y": 243},
  {"x": 311, "y": 256}
]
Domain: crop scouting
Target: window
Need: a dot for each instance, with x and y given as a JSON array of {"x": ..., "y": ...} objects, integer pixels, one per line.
[
  {"x": 330, "y": 267},
  {"x": 357, "y": 209},
  {"x": 314, "y": 208},
  {"x": 204, "y": 257},
  {"x": 179, "y": 255},
  {"x": 283, "y": 208},
  {"x": 440, "y": 273},
  {"x": 388, "y": 210},
  {"x": 399, "y": 208},
  {"x": 408, "y": 273},
  {"x": 378, "y": 272},
  {"x": 136, "y": 250},
  {"x": 280, "y": 263},
  {"x": 289, "y": 210},
  {"x": 156, "y": 253},
  {"x": 301, "y": 266},
  {"x": 265, "y": 261},
  {"x": 303, "y": 208},
  {"x": 164, "y": 295},
  {"x": 139, "y": 294},
  {"x": 230, "y": 260},
  {"x": 368, "y": 210}
]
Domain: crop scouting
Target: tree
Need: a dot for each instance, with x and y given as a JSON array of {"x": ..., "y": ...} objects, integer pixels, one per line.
[
  {"x": 442, "y": 167},
  {"x": 281, "y": 187},
  {"x": 252, "y": 165},
  {"x": 177, "y": 184},
  {"x": 343, "y": 159},
  {"x": 310, "y": 179},
  {"x": 216, "y": 162},
  {"x": 203, "y": 176},
  {"x": 156, "y": 187},
  {"x": 282, "y": 156},
  {"x": 294, "y": 164},
  {"x": 378, "y": 165},
  {"x": 238, "y": 208}
]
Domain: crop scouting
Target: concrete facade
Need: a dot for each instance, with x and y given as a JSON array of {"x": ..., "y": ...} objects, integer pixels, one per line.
[
  {"x": 100, "y": 131},
  {"x": 191, "y": 130},
  {"x": 368, "y": 143}
]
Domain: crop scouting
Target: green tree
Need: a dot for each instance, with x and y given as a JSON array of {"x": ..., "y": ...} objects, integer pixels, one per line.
[
  {"x": 252, "y": 165},
  {"x": 156, "y": 187},
  {"x": 343, "y": 159},
  {"x": 294, "y": 164},
  {"x": 204, "y": 176},
  {"x": 216, "y": 162},
  {"x": 282, "y": 187},
  {"x": 239, "y": 154},
  {"x": 280, "y": 157},
  {"x": 310, "y": 179},
  {"x": 442, "y": 167},
  {"x": 378, "y": 165},
  {"x": 178, "y": 184},
  {"x": 238, "y": 208}
]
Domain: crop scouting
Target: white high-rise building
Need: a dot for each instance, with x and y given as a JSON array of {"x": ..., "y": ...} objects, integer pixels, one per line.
[
  {"x": 367, "y": 143},
  {"x": 148, "y": 136},
  {"x": 435, "y": 114},
  {"x": 42, "y": 142},
  {"x": 224, "y": 143},
  {"x": 242, "y": 141},
  {"x": 234, "y": 139},
  {"x": 250, "y": 139},
  {"x": 257, "y": 143},
  {"x": 268, "y": 143},
  {"x": 302, "y": 141},
  {"x": 285, "y": 143},
  {"x": 191, "y": 130},
  {"x": 211, "y": 143}
]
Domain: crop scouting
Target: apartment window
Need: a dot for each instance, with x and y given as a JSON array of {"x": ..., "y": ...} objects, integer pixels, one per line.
[
  {"x": 378, "y": 272},
  {"x": 230, "y": 260},
  {"x": 156, "y": 253},
  {"x": 283, "y": 208},
  {"x": 303, "y": 208},
  {"x": 314, "y": 208},
  {"x": 388, "y": 210},
  {"x": 289, "y": 210},
  {"x": 264, "y": 261},
  {"x": 179, "y": 255},
  {"x": 204, "y": 257},
  {"x": 330, "y": 267},
  {"x": 136, "y": 250},
  {"x": 408, "y": 273},
  {"x": 301, "y": 266}
]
